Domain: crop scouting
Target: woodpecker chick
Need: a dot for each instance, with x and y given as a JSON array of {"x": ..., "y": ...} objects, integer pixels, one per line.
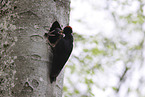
[{"x": 54, "y": 35}]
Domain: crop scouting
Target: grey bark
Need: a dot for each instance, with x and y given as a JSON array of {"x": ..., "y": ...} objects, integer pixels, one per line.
[{"x": 25, "y": 55}]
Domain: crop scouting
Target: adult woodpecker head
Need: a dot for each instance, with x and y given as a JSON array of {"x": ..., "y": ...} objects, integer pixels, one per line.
[{"x": 67, "y": 30}]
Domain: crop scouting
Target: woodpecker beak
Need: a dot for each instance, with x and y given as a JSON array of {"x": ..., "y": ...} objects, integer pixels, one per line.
[
  {"x": 50, "y": 33},
  {"x": 61, "y": 33}
]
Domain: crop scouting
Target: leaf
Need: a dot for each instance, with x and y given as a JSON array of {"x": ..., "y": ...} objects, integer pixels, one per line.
[
  {"x": 88, "y": 57},
  {"x": 114, "y": 88},
  {"x": 76, "y": 91},
  {"x": 65, "y": 88},
  {"x": 85, "y": 50},
  {"x": 96, "y": 51}
]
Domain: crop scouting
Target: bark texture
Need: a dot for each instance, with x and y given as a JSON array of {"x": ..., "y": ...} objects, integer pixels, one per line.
[{"x": 25, "y": 55}]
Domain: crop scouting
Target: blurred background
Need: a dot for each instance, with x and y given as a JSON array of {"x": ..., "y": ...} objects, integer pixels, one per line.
[{"x": 108, "y": 55}]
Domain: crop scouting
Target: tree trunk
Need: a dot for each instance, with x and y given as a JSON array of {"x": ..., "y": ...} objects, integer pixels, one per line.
[{"x": 25, "y": 55}]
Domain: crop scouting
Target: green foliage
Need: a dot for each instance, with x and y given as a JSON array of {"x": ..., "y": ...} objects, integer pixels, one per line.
[
  {"x": 78, "y": 37},
  {"x": 103, "y": 59}
]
